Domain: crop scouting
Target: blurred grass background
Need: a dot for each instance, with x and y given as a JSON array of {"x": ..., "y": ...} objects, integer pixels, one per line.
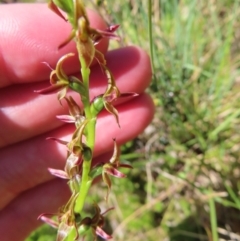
[{"x": 185, "y": 182}]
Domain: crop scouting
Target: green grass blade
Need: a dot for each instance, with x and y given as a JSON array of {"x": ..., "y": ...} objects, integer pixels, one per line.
[{"x": 213, "y": 219}]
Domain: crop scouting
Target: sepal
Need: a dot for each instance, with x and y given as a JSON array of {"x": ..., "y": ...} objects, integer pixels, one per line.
[
  {"x": 58, "y": 173},
  {"x": 111, "y": 168},
  {"x": 65, "y": 5}
]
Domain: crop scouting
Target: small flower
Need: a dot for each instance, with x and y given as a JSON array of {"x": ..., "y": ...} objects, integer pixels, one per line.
[
  {"x": 110, "y": 95},
  {"x": 58, "y": 79},
  {"x": 98, "y": 34},
  {"x": 76, "y": 113},
  {"x": 111, "y": 168},
  {"x": 107, "y": 101},
  {"x": 95, "y": 224},
  {"x": 66, "y": 222},
  {"x": 86, "y": 36}
]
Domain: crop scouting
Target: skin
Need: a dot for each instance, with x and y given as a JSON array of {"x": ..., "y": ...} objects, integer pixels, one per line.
[{"x": 30, "y": 35}]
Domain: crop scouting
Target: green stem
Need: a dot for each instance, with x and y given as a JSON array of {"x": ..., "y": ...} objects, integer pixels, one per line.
[
  {"x": 150, "y": 32},
  {"x": 90, "y": 139},
  {"x": 150, "y": 35},
  {"x": 85, "y": 71}
]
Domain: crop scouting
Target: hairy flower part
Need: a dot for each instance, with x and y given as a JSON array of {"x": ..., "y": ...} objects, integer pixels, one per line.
[
  {"x": 111, "y": 168},
  {"x": 95, "y": 224}
]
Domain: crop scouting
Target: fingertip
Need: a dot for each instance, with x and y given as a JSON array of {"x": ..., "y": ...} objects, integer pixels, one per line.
[{"x": 25, "y": 209}]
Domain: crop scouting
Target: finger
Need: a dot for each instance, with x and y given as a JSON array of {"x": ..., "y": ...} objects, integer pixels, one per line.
[
  {"x": 29, "y": 35},
  {"x": 45, "y": 198},
  {"x": 24, "y": 165},
  {"x": 20, "y": 217},
  {"x": 130, "y": 65}
]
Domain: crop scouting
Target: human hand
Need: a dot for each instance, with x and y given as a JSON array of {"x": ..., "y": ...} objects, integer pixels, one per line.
[{"x": 30, "y": 35}]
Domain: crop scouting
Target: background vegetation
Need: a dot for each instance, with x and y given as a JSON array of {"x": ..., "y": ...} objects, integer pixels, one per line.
[{"x": 185, "y": 182}]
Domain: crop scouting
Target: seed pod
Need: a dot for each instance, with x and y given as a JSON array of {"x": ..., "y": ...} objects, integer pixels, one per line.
[
  {"x": 87, "y": 153},
  {"x": 76, "y": 85},
  {"x": 97, "y": 105}
]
